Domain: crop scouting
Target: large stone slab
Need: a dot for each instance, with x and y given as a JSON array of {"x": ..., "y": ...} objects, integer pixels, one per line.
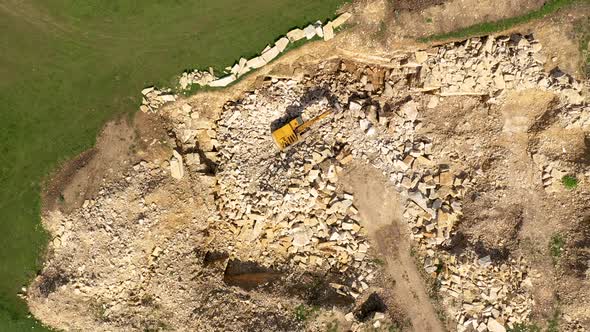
[
  {"x": 421, "y": 56},
  {"x": 147, "y": 90},
  {"x": 295, "y": 35},
  {"x": 282, "y": 43},
  {"x": 328, "y": 31},
  {"x": 494, "y": 326},
  {"x": 309, "y": 31},
  {"x": 176, "y": 166},
  {"x": 341, "y": 20},
  {"x": 256, "y": 62},
  {"x": 224, "y": 81},
  {"x": 269, "y": 55},
  {"x": 167, "y": 98}
]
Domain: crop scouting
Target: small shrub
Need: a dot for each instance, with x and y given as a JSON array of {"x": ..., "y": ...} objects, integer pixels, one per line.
[
  {"x": 556, "y": 246},
  {"x": 569, "y": 182},
  {"x": 332, "y": 326},
  {"x": 381, "y": 34},
  {"x": 553, "y": 323},
  {"x": 428, "y": 20},
  {"x": 525, "y": 328},
  {"x": 303, "y": 313},
  {"x": 394, "y": 328},
  {"x": 378, "y": 261}
]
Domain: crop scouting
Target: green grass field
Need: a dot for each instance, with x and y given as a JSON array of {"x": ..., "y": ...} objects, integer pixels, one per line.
[{"x": 67, "y": 66}]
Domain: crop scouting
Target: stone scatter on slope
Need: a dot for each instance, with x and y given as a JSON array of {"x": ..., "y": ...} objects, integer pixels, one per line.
[{"x": 486, "y": 66}]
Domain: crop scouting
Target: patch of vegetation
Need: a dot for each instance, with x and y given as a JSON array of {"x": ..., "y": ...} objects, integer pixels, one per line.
[
  {"x": 394, "y": 328},
  {"x": 73, "y": 65},
  {"x": 193, "y": 89},
  {"x": 556, "y": 246},
  {"x": 99, "y": 311},
  {"x": 429, "y": 20},
  {"x": 524, "y": 328},
  {"x": 582, "y": 31},
  {"x": 569, "y": 182},
  {"x": 378, "y": 261},
  {"x": 303, "y": 312},
  {"x": 157, "y": 326},
  {"x": 486, "y": 28},
  {"x": 332, "y": 326},
  {"x": 381, "y": 34},
  {"x": 553, "y": 323}
]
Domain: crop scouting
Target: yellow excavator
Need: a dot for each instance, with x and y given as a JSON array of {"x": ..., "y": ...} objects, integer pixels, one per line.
[{"x": 292, "y": 132}]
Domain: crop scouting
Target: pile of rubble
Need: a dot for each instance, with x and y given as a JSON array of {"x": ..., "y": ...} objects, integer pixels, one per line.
[
  {"x": 197, "y": 77},
  {"x": 487, "y": 293},
  {"x": 154, "y": 98},
  {"x": 134, "y": 258},
  {"x": 489, "y": 66},
  {"x": 287, "y": 206}
]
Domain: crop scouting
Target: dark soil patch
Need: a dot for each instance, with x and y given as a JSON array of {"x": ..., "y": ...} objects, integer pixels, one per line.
[
  {"x": 577, "y": 259},
  {"x": 315, "y": 290},
  {"x": 51, "y": 281},
  {"x": 52, "y": 196},
  {"x": 372, "y": 304},
  {"x": 212, "y": 257},
  {"x": 248, "y": 275},
  {"x": 414, "y": 4}
]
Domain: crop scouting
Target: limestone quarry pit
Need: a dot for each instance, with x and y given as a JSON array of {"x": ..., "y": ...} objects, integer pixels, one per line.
[{"x": 426, "y": 201}]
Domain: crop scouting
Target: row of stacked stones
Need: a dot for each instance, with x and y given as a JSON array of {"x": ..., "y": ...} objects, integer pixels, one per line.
[{"x": 154, "y": 98}]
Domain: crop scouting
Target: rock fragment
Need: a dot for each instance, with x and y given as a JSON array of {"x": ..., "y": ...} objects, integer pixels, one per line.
[{"x": 176, "y": 165}]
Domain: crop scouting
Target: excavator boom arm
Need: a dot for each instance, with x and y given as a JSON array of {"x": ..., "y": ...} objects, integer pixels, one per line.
[{"x": 306, "y": 125}]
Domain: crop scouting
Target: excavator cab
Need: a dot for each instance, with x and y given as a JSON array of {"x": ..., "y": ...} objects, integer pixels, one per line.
[
  {"x": 290, "y": 133},
  {"x": 286, "y": 135}
]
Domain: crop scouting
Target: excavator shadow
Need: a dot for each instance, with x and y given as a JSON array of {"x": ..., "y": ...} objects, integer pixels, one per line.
[{"x": 310, "y": 97}]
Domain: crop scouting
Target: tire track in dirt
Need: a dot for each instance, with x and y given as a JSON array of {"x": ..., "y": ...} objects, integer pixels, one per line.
[
  {"x": 33, "y": 15},
  {"x": 43, "y": 21},
  {"x": 381, "y": 211}
]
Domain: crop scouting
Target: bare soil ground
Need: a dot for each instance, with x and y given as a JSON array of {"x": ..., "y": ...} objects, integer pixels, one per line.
[
  {"x": 454, "y": 15},
  {"x": 381, "y": 207},
  {"x": 509, "y": 214},
  {"x": 394, "y": 24},
  {"x": 560, "y": 44},
  {"x": 121, "y": 143}
]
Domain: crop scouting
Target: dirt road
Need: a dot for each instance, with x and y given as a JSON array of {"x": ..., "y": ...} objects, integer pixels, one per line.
[{"x": 379, "y": 206}]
